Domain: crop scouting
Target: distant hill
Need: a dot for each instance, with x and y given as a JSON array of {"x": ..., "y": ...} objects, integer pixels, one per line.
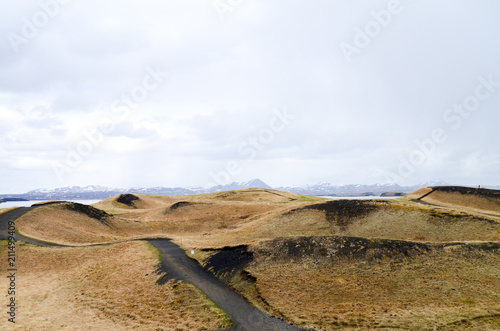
[
  {"x": 96, "y": 192},
  {"x": 11, "y": 199}
]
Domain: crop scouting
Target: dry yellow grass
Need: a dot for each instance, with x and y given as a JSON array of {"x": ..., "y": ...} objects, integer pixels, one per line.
[
  {"x": 204, "y": 219},
  {"x": 209, "y": 221},
  {"x": 55, "y": 223},
  {"x": 471, "y": 199},
  {"x": 255, "y": 195},
  {"x": 216, "y": 219},
  {"x": 144, "y": 202},
  {"x": 451, "y": 289},
  {"x": 110, "y": 287},
  {"x": 396, "y": 219},
  {"x": 420, "y": 224},
  {"x": 476, "y": 203},
  {"x": 437, "y": 288},
  {"x": 157, "y": 201}
]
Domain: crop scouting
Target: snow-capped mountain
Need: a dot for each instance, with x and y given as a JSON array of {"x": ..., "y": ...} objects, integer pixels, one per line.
[
  {"x": 100, "y": 192},
  {"x": 346, "y": 190},
  {"x": 71, "y": 192},
  {"x": 254, "y": 183},
  {"x": 73, "y": 189}
]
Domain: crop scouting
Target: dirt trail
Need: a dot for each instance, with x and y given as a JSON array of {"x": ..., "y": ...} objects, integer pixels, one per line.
[{"x": 179, "y": 266}]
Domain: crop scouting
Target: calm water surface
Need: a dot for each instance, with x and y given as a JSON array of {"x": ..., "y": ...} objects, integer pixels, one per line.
[{"x": 10, "y": 204}]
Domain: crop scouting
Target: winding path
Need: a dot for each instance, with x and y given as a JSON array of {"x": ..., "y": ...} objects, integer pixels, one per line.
[{"x": 179, "y": 266}]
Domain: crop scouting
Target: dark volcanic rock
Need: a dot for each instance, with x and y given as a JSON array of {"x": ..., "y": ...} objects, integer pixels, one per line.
[
  {"x": 337, "y": 247},
  {"x": 343, "y": 212},
  {"x": 90, "y": 211},
  {"x": 179, "y": 205},
  {"x": 128, "y": 199},
  {"x": 228, "y": 261},
  {"x": 332, "y": 248}
]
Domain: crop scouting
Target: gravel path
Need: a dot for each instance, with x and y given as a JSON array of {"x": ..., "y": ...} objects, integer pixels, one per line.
[{"x": 179, "y": 266}]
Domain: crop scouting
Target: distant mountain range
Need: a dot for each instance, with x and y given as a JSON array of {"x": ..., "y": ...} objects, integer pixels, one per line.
[{"x": 99, "y": 192}]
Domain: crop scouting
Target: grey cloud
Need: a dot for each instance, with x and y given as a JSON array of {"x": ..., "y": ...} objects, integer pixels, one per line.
[{"x": 228, "y": 76}]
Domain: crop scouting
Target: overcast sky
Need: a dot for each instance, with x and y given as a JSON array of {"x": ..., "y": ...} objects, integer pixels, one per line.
[{"x": 198, "y": 92}]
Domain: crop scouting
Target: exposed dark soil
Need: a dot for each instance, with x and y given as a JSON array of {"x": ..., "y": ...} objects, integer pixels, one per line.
[
  {"x": 228, "y": 264},
  {"x": 443, "y": 217},
  {"x": 481, "y": 192},
  {"x": 179, "y": 205},
  {"x": 331, "y": 248},
  {"x": 339, "y": 247},
  {"x": 128, "y": 199},
  {"x": 343, "y": 212},
  {"x": 475, "y": 247},
  {"x": 228, "y": 261},
  {"x": 90, "y": 211}
]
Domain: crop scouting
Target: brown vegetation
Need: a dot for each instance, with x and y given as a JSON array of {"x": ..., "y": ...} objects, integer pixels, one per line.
[
  {"x": 208, "y": 221},
  {"x": 109, "y": 287},
  {"x": 475, "y": 199},
  {"x": 407, "y": 263},
  {"x": 354, "y": 283},
  {"x": 67, "y": 223}
]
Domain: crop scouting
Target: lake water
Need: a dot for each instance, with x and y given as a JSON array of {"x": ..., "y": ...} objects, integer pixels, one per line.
[{"x": 10, "y": 204}]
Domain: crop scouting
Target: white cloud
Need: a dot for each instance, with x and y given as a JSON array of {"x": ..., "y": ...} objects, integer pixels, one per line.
[{"x": 354, "y": 120}]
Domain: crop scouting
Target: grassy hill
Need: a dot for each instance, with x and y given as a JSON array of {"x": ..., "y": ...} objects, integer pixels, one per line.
[
  {"x": 473, "y": 199},
  {"x": 428, "y": 259},
  {"x": 356, "y": 283}
]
